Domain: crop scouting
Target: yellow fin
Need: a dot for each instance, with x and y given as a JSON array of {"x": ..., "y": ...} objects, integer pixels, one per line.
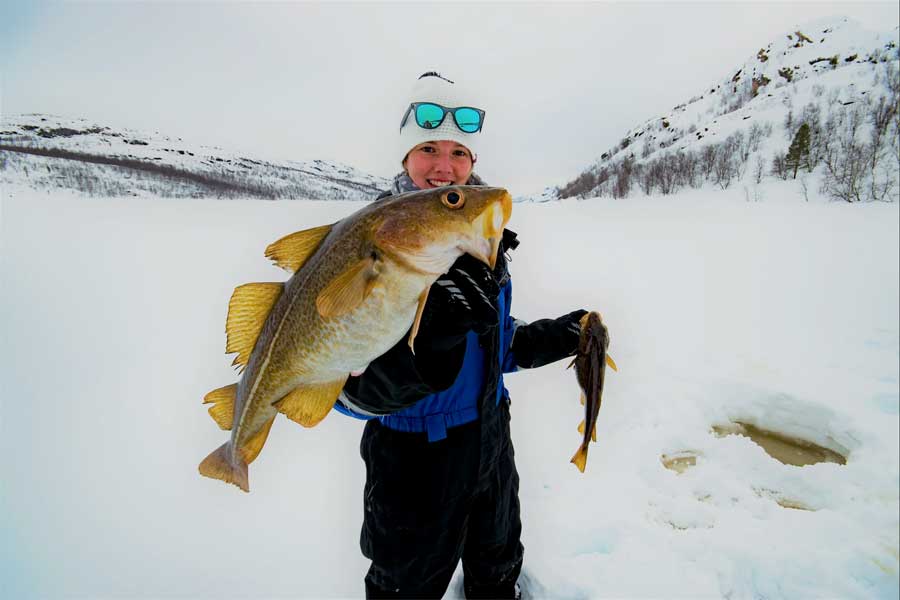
[
  {"x": 251, "y": 449},
  {"x": 248, "y": 308},
  {"x": 218, "y": 466},
  {"x": 222, "y": 409},
  {"x": 611, "y": 363},
  {"x": 309, "y": 404},
  {"x": 423, "y": 297},
  {"x": 583, "y": 399},
  {"x": 593, "y": 433},
  {"x": 580, "y": 458},
  {"x": 348, "y": 290},
  {"x": 291, "y": 251}
]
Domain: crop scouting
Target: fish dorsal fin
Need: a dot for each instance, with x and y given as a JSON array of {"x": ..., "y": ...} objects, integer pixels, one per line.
[
  {"x": 349, "y": 289},
  {"x": 309, "y": 404},
  {"x": 423, "y": 297},
  {"x": 611, "y": 363},
  {"x": 248, "y": 308},
  {"x": 291, "y": 251},
  {"x": 254, "y": 445},
  {"x": 222, "y": 409}
]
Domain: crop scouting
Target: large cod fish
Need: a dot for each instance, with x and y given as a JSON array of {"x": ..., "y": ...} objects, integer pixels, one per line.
[
  {"x": 590, "y": 363},
  {"x": 357, "y": 288}
]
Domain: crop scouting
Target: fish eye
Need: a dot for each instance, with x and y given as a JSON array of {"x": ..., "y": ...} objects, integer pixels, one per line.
[{"x": 453, "y": 199}]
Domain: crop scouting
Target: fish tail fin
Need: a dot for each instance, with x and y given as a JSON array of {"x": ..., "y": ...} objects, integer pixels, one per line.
[
  {"x": 580, "y": 458},
  {"x": 218, "y": 465}
]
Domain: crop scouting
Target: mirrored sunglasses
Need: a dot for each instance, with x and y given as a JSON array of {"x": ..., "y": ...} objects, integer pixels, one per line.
[{"x": 430, "y": 116}]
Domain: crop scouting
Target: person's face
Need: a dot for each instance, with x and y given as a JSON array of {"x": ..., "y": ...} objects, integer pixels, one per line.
[{"x": 436, "y": 164}]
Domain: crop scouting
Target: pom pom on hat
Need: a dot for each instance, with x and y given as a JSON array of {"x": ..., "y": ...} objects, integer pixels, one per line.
[{"x": 433, "y": 87}]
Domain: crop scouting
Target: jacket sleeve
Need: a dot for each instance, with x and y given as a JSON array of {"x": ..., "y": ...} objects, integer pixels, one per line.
[
  {"x": 544, "y": 341},
  {"x": 398, "y": 378}
]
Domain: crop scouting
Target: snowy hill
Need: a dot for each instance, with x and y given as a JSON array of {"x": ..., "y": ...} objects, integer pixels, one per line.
[
  {"x": 47, "y": 152},
  {"x": 826, "y": 69}
]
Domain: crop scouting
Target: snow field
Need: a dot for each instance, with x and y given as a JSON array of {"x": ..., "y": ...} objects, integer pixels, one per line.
[{"x": 781, "y": 314}]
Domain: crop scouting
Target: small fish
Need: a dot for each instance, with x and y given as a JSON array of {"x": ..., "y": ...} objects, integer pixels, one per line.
[
  {"x": 357, "y": 287},
  {"x": 590, "y": 370}
]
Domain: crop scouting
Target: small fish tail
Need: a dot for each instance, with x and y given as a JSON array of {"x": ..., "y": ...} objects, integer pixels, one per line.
[
  {"x": 580, "y": 458},
  {"x": 219, "y": 465}
]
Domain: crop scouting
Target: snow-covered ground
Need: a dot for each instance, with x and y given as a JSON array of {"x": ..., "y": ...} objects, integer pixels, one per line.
[{"x": 781, "y": 314}]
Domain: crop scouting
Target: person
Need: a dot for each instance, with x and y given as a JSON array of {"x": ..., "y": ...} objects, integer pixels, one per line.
[{"x": 441, "y": 480}]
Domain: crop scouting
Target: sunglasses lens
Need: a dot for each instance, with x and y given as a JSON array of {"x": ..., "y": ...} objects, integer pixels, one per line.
[
  {"x": 429, "y": 116},
  {"x": 468, "y": 119}
]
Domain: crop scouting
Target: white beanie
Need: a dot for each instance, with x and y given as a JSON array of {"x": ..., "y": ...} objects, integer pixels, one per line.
[{"x": 432, "y": 87}]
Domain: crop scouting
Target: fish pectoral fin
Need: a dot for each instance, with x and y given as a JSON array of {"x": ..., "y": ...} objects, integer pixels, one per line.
[
  {"x": 218, "y": 466},
  {"x": 222, "y": 409},
  {"x": 248, "y": 308},
  {"x": 583, "y": 399},
  {"x": 251, "y": 449},
  {"x": 291, "y": 251},
  {"x": 423, "y": 297},
  {"x": 348, "y": 290},
  {"x": 611, "y": 363},
  {"x": 580, "y": 458},
  {"x": 309, "y": 404},
  {"x": 581, "y": 427}
]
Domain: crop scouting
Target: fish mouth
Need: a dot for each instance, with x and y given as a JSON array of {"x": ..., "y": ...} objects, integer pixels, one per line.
[{"x": 488, "y": 227}]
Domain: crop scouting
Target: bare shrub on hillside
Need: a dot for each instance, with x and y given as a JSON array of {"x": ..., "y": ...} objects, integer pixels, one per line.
[
  {"x": 755, "y": 136},
  {"x": 623, "y": 180},
  {"x": 708, "y": 159},
  {"x": 862, "y": 152},
  {"x": 759, "y": 169},
  {"x": 845, "y": 159},
  {"x": 724, "y": 169},
  {"x": 687, "y": 167}
]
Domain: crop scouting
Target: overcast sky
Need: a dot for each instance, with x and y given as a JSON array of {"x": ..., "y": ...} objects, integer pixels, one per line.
[{"x": 560, "y": 82}]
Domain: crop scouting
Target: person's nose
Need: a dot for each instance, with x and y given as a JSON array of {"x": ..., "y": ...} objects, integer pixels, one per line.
[{"x": 442, "y": 163}]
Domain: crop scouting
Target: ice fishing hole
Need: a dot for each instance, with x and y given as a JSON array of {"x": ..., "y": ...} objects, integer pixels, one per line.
[{"x": 782, "y": 447}]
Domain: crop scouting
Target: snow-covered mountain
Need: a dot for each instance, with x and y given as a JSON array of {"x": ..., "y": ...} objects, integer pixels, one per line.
[
  {"x": 811, "y": 72},
  {"x": 48, "y": 152}
]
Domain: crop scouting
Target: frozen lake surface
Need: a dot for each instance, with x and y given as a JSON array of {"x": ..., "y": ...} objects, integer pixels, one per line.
[{"x": 780, "y": 316}]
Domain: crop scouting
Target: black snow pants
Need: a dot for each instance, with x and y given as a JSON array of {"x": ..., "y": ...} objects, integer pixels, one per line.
[{"x": 430, "y": 504}]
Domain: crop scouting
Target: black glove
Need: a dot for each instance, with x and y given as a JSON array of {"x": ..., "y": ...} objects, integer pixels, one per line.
[
  {"x": 547, "y": 340},
  {"x": 463, "y": 299},
  {"x": 572, "y": 329}
]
